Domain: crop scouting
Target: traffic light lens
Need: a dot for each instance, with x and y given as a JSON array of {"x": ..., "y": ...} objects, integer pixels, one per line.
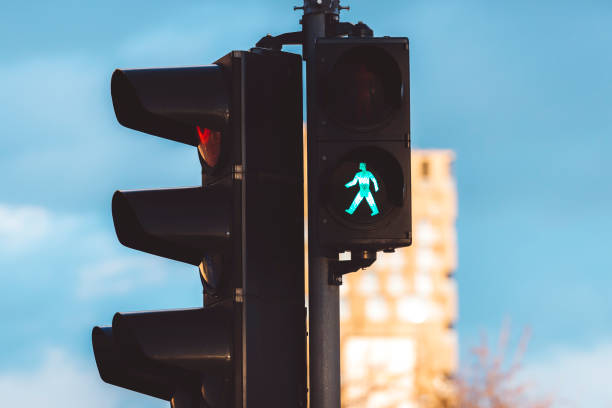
[
  {"x": 364, "y": 88},
  {"x": 209, "y": 146},
  {"x": 363, "y": 178},
  {"x": 365, "y": 187}
]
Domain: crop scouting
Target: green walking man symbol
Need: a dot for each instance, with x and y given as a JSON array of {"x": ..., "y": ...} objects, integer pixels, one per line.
[{"x": 363, "y": 178}]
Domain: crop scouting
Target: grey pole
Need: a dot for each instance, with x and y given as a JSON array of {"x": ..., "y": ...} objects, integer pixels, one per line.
[
  {"x": 324, "y": 335},
  {"x": 323, "y": 298}
]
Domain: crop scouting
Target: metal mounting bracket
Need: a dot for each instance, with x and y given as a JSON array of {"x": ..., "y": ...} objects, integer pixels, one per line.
[
  {"x": 297, "y": 38},
  {"x": 359, "y": 260},
  {"x": 277, "y": 42},
  {"x": 352, "y": 30}
]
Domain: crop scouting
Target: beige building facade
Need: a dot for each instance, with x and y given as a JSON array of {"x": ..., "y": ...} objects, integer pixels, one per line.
[{"x": 398, "y": 345}]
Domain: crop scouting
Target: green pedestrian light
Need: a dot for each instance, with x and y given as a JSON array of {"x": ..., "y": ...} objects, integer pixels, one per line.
[{"x": 363, "y": 178}]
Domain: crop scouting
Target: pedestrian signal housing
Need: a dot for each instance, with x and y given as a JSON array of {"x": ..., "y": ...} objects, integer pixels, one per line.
[{"x": 359, "y": 144}]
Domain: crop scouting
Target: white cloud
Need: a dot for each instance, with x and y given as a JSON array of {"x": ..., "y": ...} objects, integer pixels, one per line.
[
  {"x": 572, "y": 377},
  {"x": 63, "y": 381},
  {"x": 58, "y": 382},
  {"x": 35, "y": 231},
  {"x": 119, "y": 275},
  {"x": 25, "y": 227}
]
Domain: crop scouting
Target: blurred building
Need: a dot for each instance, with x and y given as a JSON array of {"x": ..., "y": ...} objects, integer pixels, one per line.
[{"x": 398, "y": 347}]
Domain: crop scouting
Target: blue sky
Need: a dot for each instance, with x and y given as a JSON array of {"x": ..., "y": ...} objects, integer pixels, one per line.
[{"x": 521, "y": 91}]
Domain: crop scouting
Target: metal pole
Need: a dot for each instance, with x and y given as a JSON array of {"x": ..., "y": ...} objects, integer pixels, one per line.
[
  {"x": 323, "y": 298},
  {"x": 324, "y": 335}
]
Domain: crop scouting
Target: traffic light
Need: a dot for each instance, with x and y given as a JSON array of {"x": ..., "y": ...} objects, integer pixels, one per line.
[
  {"x": 359, "y": 144},
  {"x": 243, "y": 229}
]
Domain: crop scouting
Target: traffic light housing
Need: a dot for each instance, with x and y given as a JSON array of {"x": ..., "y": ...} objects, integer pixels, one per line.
[
  {"x": 243, "y": 228},
  {"x": 159, "y": 353},
  {"x": 359, "y": 144}
]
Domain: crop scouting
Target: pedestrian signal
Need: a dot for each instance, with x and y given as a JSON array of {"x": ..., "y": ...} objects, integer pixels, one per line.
[
  {"x": 359, "y": 133},
  {"x": 363, "y": 177}
]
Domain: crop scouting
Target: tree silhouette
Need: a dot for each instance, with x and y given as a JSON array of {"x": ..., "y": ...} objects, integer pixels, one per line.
[{"x": 490, "y": 380}]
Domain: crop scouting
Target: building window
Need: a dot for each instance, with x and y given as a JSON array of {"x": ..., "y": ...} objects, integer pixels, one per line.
[{"x": 425, "y": 169}]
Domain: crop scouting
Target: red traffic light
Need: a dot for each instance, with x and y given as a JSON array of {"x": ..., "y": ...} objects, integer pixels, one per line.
[{"x": 210, "y": 145}]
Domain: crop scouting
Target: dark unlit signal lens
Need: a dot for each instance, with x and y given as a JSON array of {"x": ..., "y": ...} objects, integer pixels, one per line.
[{"x": 364, "y": 87}]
